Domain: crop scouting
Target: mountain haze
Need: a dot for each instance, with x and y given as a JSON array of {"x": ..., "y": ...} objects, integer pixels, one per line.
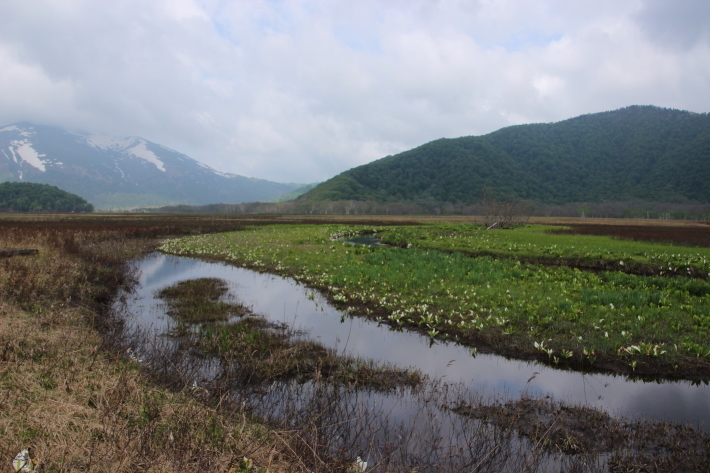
[
  {"x": 115, "y": 172},
  {"x": 294, "y": 194},
  {"x": 638, "y": 152}
]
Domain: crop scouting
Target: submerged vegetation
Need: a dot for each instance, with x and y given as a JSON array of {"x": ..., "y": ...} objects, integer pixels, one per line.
[
  {"x": 198, "y": 300},
  {"x": 253, "y": 351},
  {"x": 502, "y": 302},
  {"x": 632, "y": 446}
]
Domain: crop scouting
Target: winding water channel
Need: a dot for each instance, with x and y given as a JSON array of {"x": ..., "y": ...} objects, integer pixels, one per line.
[{"x": 284, "y": 300}]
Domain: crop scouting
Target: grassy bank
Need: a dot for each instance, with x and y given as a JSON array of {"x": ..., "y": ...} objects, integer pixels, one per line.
[
  {"x": 69, "y": 391},
  {"x": 80, "y": 408},
  {"x": 557, "y": 314}
]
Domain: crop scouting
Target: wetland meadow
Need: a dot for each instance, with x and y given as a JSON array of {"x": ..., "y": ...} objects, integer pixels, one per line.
[
  {"x": 497, "y": 291},
  {"x": 272, "y": 343}
]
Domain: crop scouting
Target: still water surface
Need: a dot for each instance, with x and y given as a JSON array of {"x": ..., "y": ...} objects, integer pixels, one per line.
[{"x": 284, "y": 300}]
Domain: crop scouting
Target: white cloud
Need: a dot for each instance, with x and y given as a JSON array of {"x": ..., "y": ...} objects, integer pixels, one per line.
[{"x": 300, "y": 90}]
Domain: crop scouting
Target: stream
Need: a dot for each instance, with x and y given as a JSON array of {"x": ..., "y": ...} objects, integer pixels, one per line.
[{"x": 284, "y": 300}]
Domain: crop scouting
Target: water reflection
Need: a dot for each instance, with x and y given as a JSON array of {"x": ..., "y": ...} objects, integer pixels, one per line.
[
  {"x": 284, "y": 300},
  {"x": 369, "y": 240}
]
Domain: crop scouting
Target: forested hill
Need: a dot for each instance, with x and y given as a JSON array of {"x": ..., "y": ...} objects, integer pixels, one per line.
[
  {"x": 28, "y": 197},
  {"x": 642, "y": 152}
]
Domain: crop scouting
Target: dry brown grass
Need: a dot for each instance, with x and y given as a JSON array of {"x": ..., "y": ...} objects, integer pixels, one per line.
[
  {"x": 79, "y": 408},
  {"x": 640, "y": 222},
  {"x": 261, "y": 219},
  {"x": 80, "y": 405},
  {"x": 674, "y": 235}
]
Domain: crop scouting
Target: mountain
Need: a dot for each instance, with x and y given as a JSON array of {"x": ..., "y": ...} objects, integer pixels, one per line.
[
  {"x": 28, "y": 197},
  {"x": 638, "y": 152},
  {"x": 115, "y": 172},
  {"x": 294, "y": 194}
]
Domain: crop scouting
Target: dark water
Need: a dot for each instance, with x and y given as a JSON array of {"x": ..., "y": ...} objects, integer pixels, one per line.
[
  {"x": 284, "y": 300},
  {"x": 369, "y": 240}
]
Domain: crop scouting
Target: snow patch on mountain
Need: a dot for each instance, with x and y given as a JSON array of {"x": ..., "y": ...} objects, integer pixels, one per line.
[
  {"x": 23, "y": 131},
  {"x": 27, "y": 154},
  {"x": 142, "y": 152},
  {"x": 130, "y": 146}
]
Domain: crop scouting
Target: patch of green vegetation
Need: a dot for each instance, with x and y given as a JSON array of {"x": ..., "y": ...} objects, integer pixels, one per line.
[
  {"x": 555, "y": 313},
  {"x": 536, "y": 243},
  {"x": 198, "y": 301},
  {"x": 29, "y": 197}
]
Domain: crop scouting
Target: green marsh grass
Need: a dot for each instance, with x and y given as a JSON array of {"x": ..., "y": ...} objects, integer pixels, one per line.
[
  {"x": 558, "y": 314},
  {"x": 536, "y": 243}
]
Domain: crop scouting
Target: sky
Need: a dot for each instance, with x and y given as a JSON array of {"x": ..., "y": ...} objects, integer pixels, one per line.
[{"x": 301, "y": 90}]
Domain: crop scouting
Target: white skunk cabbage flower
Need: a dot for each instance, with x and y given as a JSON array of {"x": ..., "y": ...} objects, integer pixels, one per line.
[
  {"x": 361, "y": 464},
  {"x": 23, "y": 463},
  {"x": 357, "y": 466}
]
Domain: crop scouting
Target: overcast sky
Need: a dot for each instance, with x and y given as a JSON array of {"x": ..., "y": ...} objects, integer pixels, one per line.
[{"x": 299, "y": 91}]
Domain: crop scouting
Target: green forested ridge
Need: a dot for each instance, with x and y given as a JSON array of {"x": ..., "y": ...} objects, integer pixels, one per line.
[
  {"x": 28, "y": 197},
  {"x": 638, "y": 152},
  {"x": 299, "y": 191}
]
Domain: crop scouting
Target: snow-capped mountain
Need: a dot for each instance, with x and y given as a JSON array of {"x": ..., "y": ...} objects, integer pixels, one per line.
[{"x": 115, "y": 172}]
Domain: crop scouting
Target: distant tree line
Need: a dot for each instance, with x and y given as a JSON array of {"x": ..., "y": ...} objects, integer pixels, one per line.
[
  {"x": 30, "y": 197},
  {"x": 485, "y": 212}
]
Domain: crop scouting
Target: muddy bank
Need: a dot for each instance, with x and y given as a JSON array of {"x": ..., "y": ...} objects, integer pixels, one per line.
[{"x": 697, "y": 235}]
